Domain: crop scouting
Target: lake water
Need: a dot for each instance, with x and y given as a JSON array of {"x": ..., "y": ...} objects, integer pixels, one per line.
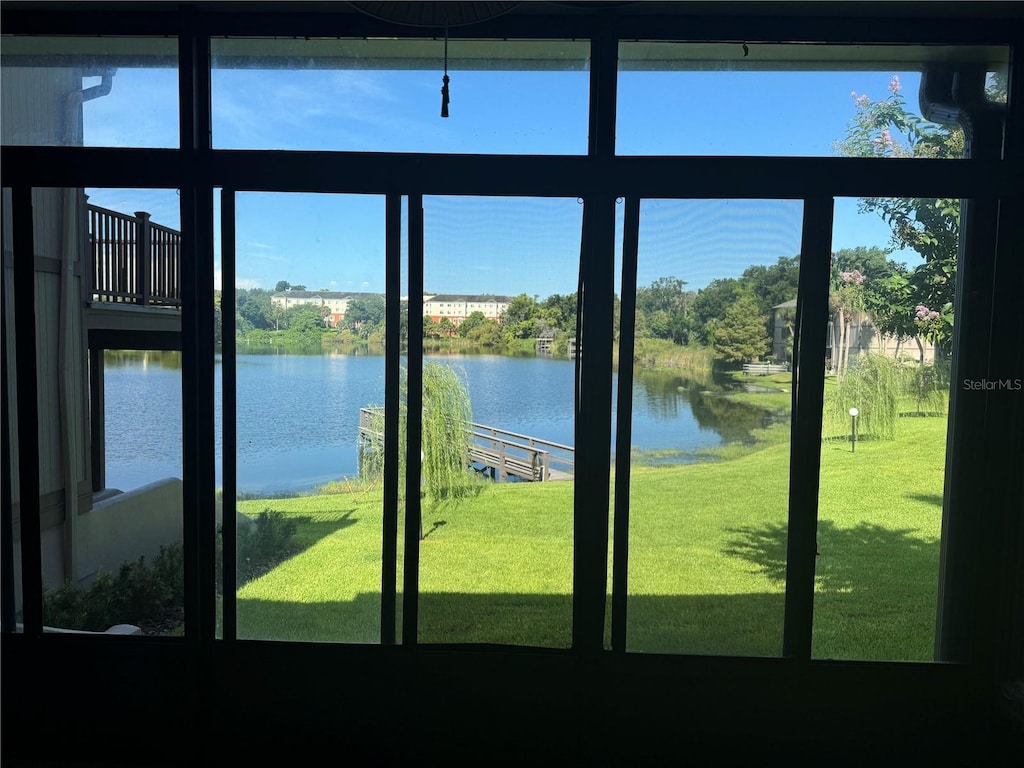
[{"x": 298, "y": 415}]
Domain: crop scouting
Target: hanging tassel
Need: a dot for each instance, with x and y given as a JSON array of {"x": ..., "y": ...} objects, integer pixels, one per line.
[{"x": 444, "y": 82}]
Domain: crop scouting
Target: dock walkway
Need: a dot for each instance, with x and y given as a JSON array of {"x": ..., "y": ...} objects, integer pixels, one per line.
[{"x": 497, "y": 453}]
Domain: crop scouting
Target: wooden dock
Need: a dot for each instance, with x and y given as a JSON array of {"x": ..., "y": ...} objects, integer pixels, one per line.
[
  {"x": 505, "y": 455},
  {"x": 496, "y": 453}
]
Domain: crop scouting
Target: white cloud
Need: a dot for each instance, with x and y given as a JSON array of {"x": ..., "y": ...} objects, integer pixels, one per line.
[
  {"x": 356, "y": 82},
  {"x": 245, "y": 283}
]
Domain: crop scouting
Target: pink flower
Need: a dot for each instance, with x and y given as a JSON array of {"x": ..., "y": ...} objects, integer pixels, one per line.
[
  {"x": 853, "y": 277},
  {"x": 894, "y": 84},
  {"x": 862, "y": 99},
  {"x": 928, "y": 320},
  {"x": 883, "y": 142}
]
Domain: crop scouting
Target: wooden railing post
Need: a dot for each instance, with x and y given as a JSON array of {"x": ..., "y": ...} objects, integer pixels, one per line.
[{"x": 143, "y": 256}]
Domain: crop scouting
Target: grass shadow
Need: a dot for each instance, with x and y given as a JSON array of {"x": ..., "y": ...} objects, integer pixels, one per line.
[
  {"x": 875, "y": 587},
  {"x": 842, "y": 554},
  {"x": 741, "y": 624},
  {"x": 312, "y": 531},
  {"x": 436, "y": 524},
  {"x": 935, "y": 499}
]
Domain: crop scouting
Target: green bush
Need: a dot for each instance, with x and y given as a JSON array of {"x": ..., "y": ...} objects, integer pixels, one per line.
[
  {"x": 66, "y": 607},
  {"x": 264, "y": 543},
  {"x": 139, "y": 594},
  {"x": 144, "y": 593},
  {"x": 268, "y": 538}
]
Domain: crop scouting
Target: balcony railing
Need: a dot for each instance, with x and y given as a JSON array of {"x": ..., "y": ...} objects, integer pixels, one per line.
[{"x": 134, "y": 261}]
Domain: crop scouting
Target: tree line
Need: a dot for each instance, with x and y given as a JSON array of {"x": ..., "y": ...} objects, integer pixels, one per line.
[{"x": 734, "y": 316}]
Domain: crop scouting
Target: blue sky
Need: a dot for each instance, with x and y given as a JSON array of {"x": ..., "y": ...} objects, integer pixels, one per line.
[{"x": 504, "y": 246}]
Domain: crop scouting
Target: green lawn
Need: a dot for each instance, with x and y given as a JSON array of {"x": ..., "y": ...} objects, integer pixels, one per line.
[{"x": 707, "y": 558}]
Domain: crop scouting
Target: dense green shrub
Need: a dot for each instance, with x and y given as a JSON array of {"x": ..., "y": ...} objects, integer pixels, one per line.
[
  {"x": 264, "y": 543},
  {"x": 144, "y": 593},
  {"x": 138, "y": 594}
]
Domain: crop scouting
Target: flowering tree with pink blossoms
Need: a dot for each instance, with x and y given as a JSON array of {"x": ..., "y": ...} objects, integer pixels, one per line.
[
  {"x": 846, "y": 301},
  {"x": 886, "y": 128}
]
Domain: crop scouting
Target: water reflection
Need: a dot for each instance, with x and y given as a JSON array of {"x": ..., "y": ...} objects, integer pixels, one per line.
[
  {"x": 668, "y": 396},
  {"x": 127, "y": 358},
  {"x": 298, "y": 413}
]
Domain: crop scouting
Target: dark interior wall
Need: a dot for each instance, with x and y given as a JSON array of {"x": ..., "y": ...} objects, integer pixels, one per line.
[{"x": 119, "y": 702}]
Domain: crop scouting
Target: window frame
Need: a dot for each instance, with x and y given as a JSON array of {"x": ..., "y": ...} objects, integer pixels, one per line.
[{"x": 599, "y": 177}]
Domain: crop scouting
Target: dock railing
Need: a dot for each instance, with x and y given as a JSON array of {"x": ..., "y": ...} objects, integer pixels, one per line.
[
  {"x": 764, "y": 369},
  {"x": 498, "y": 452},
  {"x": 508, "y": 453},
  {"x": 133, "y": 260}
]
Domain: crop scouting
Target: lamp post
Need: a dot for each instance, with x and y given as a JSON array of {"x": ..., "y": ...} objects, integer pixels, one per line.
[{"x": 853, "y": 429}]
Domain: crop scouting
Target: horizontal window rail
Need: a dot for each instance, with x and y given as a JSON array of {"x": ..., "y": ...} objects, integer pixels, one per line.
[{"x": 133, "y": 260}]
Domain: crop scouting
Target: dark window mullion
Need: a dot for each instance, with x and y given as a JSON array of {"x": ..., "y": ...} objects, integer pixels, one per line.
[
  {"x": 197, "y": 337},
  {"x": 805, "y": 446},
  {"x": 594, "y": 361},
  {"x": 7, "y": 615},
  {"x": 28, "y": 410},
  {"x": 414, "y": 425},
  {"x": 604, "y": 58},
  {"x": 392, "y": 414},
  {"x": 206, "y": 484},
  {"x": 969, "y": 576},
  {"x": 229, "y": 417},
  {"x": 593, "y": 424},
  {"x": 623, "y": 433}
]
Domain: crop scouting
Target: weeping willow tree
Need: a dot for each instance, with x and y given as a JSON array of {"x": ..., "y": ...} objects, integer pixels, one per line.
[
  {"x": 447, "y": 421},
  {"x": 874, "y": 385},
  {"x": 928, "y": 385}
]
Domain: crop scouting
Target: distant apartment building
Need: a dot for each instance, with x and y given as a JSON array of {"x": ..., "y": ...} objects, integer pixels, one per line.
[
  {"x": 862, "y": 337},
  {"x": 457, "y": 307},
  {"x": 336, "y": 302}
]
